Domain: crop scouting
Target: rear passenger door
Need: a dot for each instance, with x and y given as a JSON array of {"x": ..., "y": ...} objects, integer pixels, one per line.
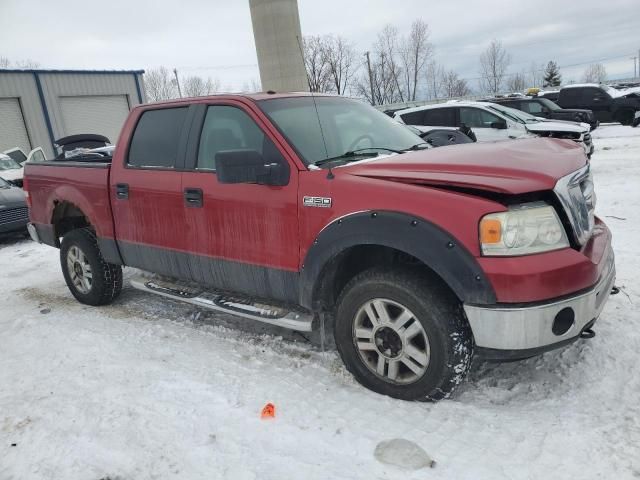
[
  {"x": 147, "y": 199},
  {"x": 244, "y": 237}
]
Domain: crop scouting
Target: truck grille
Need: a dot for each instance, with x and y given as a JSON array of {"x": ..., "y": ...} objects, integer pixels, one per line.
[
  {"x": 578, "y": 198},
  {"x": 11, "y": 215}
]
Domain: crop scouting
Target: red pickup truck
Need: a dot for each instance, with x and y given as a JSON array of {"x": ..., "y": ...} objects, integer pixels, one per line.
[{"x": 321, "y": 212}]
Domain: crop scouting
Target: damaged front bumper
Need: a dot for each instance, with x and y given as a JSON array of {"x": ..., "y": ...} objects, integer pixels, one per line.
[{"x": 510, "y": 332}]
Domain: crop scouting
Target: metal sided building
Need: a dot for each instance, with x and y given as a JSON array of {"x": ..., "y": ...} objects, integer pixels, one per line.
[{"x": 39, "y": 106}]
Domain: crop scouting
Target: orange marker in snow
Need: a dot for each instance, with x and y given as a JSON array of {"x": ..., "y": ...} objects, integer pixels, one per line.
[{"x": 268, "y": 411}]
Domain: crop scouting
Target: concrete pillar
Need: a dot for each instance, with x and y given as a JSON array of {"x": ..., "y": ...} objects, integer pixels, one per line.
[{"x": 276, "y": 30}]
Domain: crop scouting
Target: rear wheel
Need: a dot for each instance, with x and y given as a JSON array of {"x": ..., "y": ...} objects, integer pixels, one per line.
[
  {"x": 89, "y": 277},
  {"x": 403, "y": 335}
]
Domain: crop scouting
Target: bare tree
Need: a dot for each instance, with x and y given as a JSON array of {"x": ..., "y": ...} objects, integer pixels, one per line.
[
  {"x": 494, "y": 62},
  {"x": 339, "y": 56},
  {"x": 318, "y": 75},
  {"x": 388, "y": 69},
  {"x": 19, "y": 64},
  {"x": 195, "y": 86},
  {"x": 415, "y": 52},
  {"x": 252, "y": 86},
  {"x": 595, "y": 73},
  {"x": 159, "y": 84},
  {"x": 516, "y": 82},
  {"x": 434, "y": 74},
  {"x": 452, "y": 86},
  {"x": 536, "y": 75}
]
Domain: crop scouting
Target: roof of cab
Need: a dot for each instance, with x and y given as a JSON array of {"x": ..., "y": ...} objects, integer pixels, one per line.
[{"x": 251, "y": 96}]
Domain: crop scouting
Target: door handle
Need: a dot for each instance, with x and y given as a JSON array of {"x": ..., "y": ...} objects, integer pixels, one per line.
[
  {"x": 193, "y": 197},
  {"x": 122, "y": 191}
]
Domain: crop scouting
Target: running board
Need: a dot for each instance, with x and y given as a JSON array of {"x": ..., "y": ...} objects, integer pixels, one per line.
[{"x": 225, "y": 303}]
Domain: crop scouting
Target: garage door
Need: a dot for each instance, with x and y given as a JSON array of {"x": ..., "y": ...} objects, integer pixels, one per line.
[
  {"x": 13, "y": 132},
  {"x": 104, "y": 114}
]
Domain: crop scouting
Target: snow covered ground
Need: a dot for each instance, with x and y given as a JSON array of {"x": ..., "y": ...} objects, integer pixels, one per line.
[{"x": 147, "y": 388}]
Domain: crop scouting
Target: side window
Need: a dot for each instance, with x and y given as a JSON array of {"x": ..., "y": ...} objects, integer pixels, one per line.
[
  {"x": 590, "y": 94},
  {"x": 413, "y": 118},
  {"x": 156, "y": 137},
  {"x": 570, "y": 94},
  {"x": 477, "y": 118},
  {"x": 440, "y": 117},
  {"x": 230, "y": 128},
  {"x": 532, "y": 107}
]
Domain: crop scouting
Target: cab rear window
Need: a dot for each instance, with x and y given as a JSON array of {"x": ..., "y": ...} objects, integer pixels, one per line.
[{"x": 156, "y": 138}]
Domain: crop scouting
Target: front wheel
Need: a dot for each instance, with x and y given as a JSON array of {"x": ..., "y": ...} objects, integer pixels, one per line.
[
  {"x": 90, "y": 278},
  {"x": 625, "y": 117},
  {"x": 403, "y": 335}
]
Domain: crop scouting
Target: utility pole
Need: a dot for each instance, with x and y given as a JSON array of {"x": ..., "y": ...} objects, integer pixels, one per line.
[
  {"x": 175, "y": 72},
  {"x": 635, "y": 70},
  {"x": 373, "y": 100}
]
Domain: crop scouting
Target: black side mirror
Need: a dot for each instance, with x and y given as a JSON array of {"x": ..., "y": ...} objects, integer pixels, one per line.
[
  {"x": 499, "y": 125},
  {"x": 248, "y": 166}
]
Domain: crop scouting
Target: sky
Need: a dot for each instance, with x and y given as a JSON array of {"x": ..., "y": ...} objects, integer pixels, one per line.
[{"x": 214, "y": 37}]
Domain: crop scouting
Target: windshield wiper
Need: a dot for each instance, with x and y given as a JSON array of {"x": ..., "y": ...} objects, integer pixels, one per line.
[
  {"x": 351, "y": 154},
  {"x": 347, "y": 156},
  {"x": 417, "y": 146}
]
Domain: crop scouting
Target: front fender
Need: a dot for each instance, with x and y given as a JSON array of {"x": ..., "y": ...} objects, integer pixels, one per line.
[{"x": 415, "y": 236}]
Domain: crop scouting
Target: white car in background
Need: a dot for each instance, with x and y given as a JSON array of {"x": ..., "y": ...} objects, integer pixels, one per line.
[
  {"x": 10, "y": 170},
  {"x": 12, "y": 163},
  {"x": 492, "y": 122}
]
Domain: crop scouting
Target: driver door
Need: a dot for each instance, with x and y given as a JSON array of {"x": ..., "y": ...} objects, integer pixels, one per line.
[
  {"x": 484, "y": 124},
  {"x": 243, "y": 237}
]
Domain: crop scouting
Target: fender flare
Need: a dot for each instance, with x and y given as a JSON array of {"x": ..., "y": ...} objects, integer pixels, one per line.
[{"x": 427, "y": 242}]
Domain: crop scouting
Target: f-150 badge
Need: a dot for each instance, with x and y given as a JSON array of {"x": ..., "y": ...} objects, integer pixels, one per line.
[{"x": 321, "y": 202}]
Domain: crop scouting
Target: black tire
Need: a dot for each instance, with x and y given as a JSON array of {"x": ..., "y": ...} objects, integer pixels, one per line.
[
  {"x": 437, "y": 310},
  {"x": 106, "y": 282},
  {"x": 625, "y": 117}
]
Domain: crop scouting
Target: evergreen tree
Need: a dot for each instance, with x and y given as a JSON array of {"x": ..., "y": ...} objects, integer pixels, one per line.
[{"x": 552, "y": 77}]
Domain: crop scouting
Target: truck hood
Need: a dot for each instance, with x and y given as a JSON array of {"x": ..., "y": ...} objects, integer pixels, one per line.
[
  {"x": 507, "y": 167},
  {"x": 545, "y": 125}
]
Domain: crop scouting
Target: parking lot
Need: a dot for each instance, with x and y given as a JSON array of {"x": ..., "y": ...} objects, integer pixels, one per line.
[{"x": 155, "y": 389}]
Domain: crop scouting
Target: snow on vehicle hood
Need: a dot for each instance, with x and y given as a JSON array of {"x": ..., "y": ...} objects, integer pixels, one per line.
[
  {"x": 514, "y": 167},
  {"x": 558, "y": 126},
  {"x": 12, "y": 174}
]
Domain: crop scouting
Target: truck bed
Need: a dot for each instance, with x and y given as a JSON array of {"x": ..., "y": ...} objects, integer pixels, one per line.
[{"x": 85, "y": 185}]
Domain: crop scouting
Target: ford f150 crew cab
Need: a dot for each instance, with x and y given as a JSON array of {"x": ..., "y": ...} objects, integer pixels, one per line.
[{"x": 322, "y": 212}]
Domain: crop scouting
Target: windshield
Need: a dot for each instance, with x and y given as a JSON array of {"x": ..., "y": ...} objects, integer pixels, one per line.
[
  {"x": 549, "y": 104},
  {"x": 347, "y": 125},
  {"x": 515, "y": 115},
  {"x": 8, "y": 163},
  {"x": 4, "y": 183}
]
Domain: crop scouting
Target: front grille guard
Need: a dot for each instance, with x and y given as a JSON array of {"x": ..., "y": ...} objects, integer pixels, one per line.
[{"x": 577, "y": 197}]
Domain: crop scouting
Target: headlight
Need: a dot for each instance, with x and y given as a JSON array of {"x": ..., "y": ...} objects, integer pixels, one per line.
[{"x": 523, "y": 229}]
